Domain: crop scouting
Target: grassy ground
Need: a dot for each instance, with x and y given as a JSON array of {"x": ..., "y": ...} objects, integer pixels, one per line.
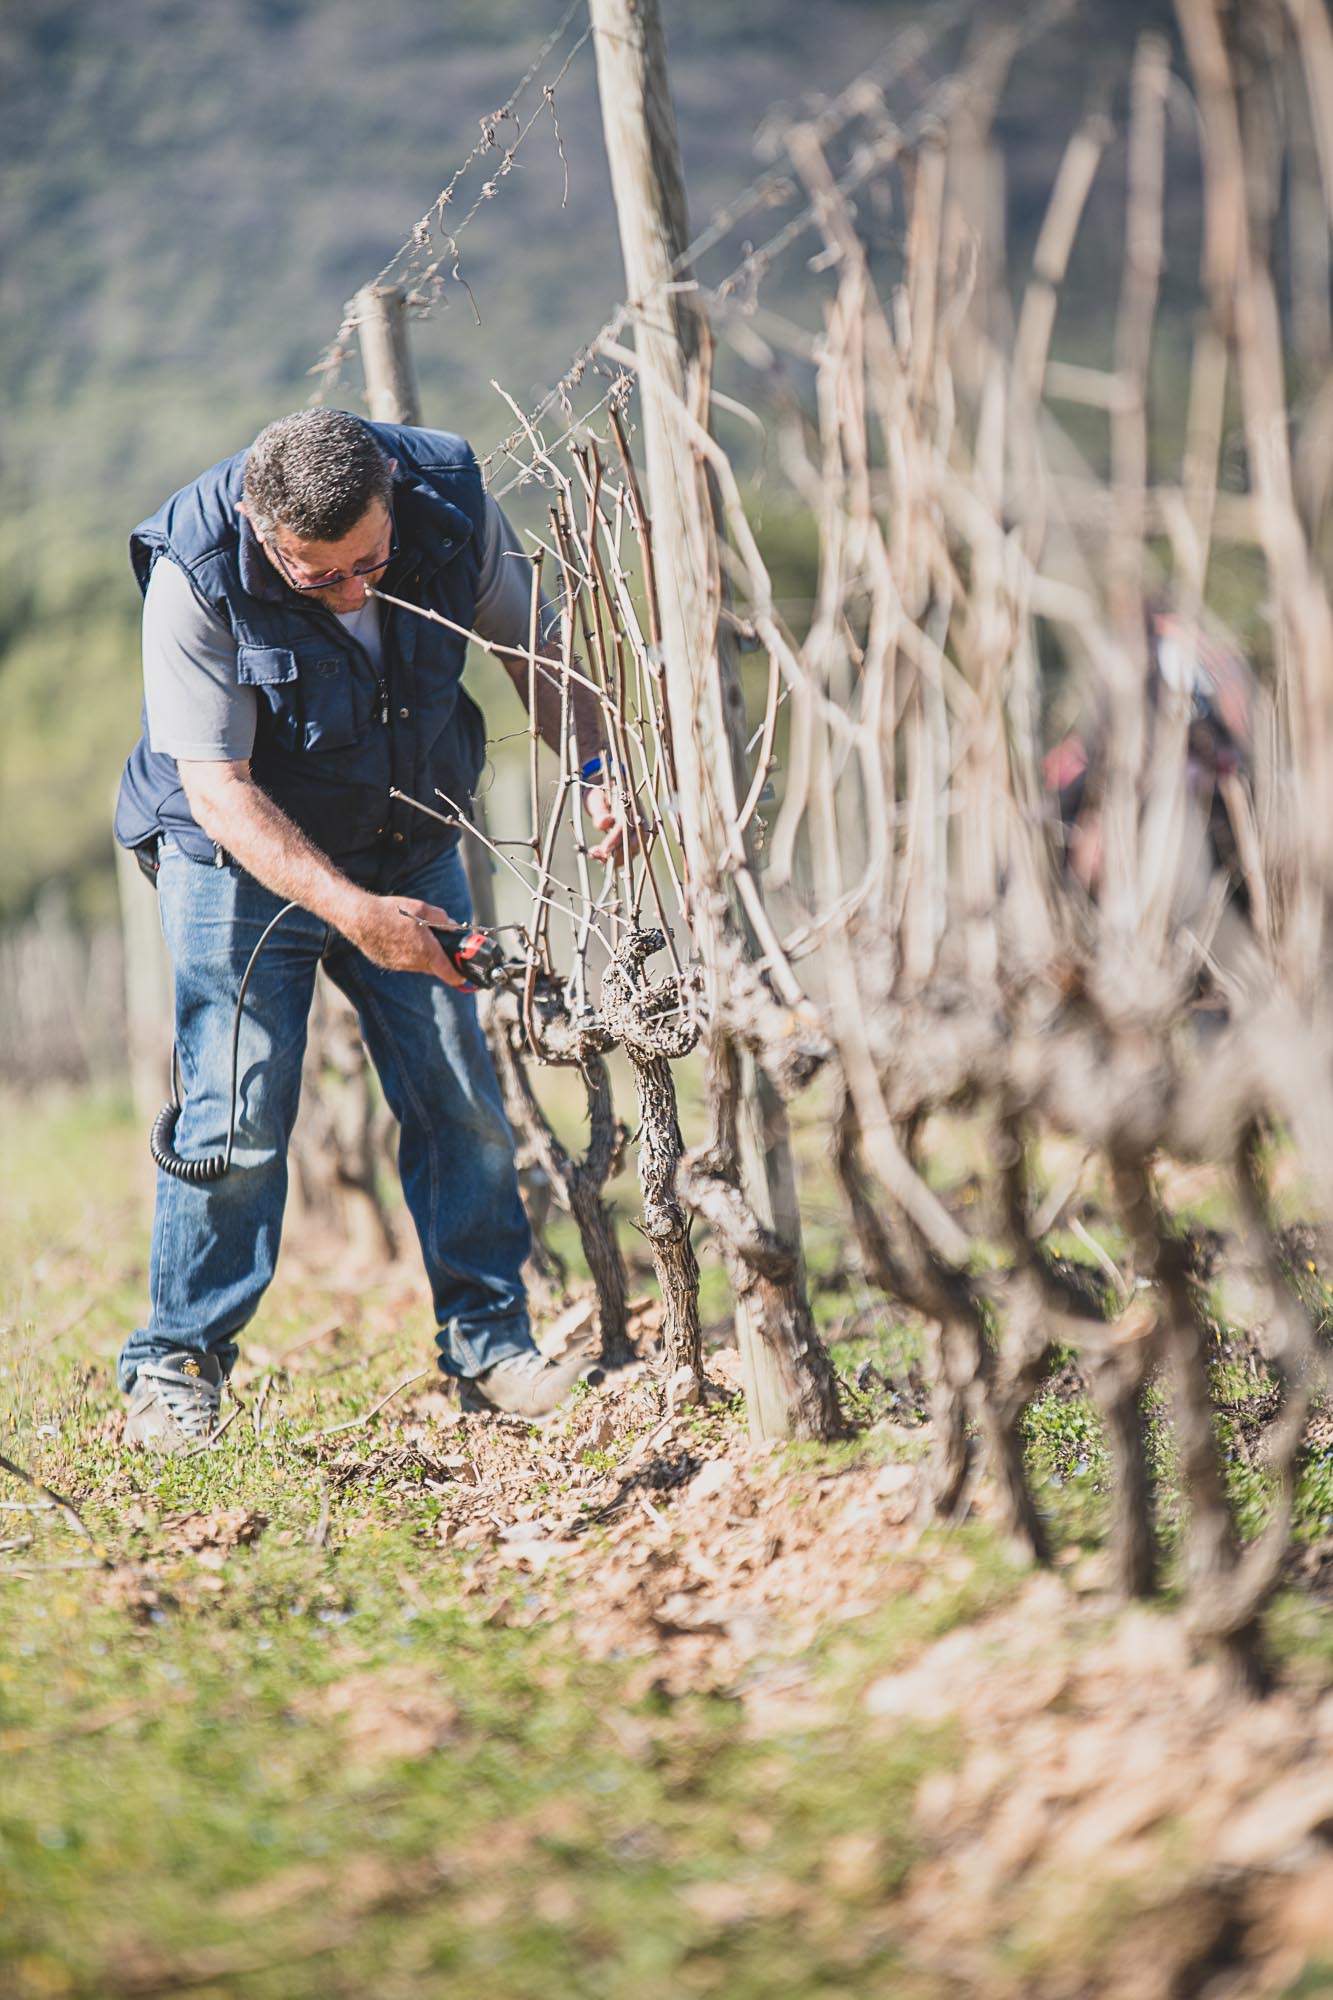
[
  {"x": 331, "y": 1771},
  {"x": 262, "y": 1729},
  {"x": 433, "y": 1706}
]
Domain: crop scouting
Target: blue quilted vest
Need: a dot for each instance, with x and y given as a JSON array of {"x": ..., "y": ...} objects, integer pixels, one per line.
[{"x": 333, "y": 735}]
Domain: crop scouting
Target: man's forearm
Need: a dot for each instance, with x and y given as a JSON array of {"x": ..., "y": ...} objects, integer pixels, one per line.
[
  {"x": 585, "y": 713},
  {"x": 391, "y": 930},
  {"x": 242, "y": 818},
  {"x": 587, "y": 726}
]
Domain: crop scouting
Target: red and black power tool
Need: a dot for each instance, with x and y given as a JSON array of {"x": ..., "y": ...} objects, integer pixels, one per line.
[{"x": 475, "y": 955}]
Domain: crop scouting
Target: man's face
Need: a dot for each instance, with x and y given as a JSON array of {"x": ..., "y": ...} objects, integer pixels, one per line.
[{"x": 303, "y": 564}]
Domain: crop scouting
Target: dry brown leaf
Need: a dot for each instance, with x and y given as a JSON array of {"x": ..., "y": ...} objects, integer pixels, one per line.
[
  {"x": 258, "y": 1900},
  {"x": 854, "y": 1864},
  {"x": 387, "y": 1713},
  {"x": 724, "y": 1904},
  {"x": 221, "y": 1528},
  {"x": 564, "y": 1331},
  {"x": 1297, "y": 1915},
  {"x": 1282, "y": 1817},
  {"x": 1117, "y": 1816},
  {"x": 724, "y": 1368},
  {"x": 717, "y": 1475}
]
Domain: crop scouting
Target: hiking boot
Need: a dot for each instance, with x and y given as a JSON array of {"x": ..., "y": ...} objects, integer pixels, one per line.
[
  {"x": 175, "y": 1402},
  {"x": 525, "y": 1385}
]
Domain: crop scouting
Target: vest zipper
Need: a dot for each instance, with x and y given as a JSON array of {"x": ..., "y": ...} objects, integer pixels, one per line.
[{"x": 346, "y": 638}]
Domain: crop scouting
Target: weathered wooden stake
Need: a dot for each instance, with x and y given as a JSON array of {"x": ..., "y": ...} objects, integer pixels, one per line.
[
  {"x": 393, "y": 397},
  {"x": 704, "y": 695},
  {"x": 150, "y": 1004},
  {"x": 386, "y": 358}
]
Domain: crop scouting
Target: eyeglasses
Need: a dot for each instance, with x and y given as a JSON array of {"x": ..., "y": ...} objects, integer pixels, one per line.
[{"x": 336, "y": 576}]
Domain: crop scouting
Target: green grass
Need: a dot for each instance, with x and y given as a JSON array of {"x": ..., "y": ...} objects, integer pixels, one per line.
[
  {"x": 350, "y": 1756},
  {"x": 185, "y": 1804},
  {"x": 169, "y": 1770},
  {"x": 1071, "y": 1470},
  {"x": 157, "y": 1774},
  {"x": 1068, "y": 1465},
  {"x": 1298, "y": 1628}
]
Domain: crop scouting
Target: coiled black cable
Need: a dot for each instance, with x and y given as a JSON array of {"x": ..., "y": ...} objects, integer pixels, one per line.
[{"x": 214, "y": 1165}]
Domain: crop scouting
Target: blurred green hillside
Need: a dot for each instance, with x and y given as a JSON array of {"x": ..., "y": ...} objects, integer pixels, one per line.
[{"x": 191, "y": 194}]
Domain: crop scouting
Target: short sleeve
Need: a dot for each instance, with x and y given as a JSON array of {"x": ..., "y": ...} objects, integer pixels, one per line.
[
  {"x": 503, "y": 608},
  {"x": 196, "y": 707}
]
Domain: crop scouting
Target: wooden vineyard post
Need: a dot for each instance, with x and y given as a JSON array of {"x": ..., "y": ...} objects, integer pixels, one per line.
[
  {"x": 789, "y": 1382},
  {"x": 393, "y": 397},
  {"x": 386, "y": 358},
  {"x": 335, "y": 1142},
  {"x": 150, "y": 1003}
]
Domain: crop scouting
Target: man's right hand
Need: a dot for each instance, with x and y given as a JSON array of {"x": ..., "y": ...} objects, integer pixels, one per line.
[
  {"x": 233, "y": 810},
  {"x": 383, "y": 928}
]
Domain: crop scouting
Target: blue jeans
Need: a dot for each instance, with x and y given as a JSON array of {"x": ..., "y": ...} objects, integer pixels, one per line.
[{"x": 215, "y": 1246}]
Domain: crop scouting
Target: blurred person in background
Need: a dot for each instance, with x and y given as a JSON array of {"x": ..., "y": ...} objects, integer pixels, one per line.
[{"x": 1219, "y": 686}]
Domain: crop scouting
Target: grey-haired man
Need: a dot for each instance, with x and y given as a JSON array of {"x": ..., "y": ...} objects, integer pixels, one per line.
[{"x": 284, "y": 706}]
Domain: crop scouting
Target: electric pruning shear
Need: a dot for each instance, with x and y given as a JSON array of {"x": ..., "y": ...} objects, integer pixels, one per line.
[{"x": 475, "y": 955}]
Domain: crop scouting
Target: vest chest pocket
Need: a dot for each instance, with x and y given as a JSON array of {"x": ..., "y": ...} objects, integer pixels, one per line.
[
  {"x": 309, "y": 694},
  {"x": 329, "y": 709}
]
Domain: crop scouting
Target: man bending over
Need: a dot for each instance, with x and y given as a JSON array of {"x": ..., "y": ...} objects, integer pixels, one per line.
[{"x": 283, "y": 706}]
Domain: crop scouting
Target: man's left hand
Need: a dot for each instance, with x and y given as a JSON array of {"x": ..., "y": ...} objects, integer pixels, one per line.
[{"x": 601, "y": 810}]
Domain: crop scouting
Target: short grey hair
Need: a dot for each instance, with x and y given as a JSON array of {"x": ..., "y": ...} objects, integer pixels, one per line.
[{"x": 314, "y": 473}]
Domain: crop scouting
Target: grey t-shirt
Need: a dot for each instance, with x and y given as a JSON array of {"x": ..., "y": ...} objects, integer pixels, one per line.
[{"x": 198, "y": 710}]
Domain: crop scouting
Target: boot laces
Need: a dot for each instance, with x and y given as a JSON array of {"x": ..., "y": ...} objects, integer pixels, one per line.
[{"x": 192, "y": 1399}]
